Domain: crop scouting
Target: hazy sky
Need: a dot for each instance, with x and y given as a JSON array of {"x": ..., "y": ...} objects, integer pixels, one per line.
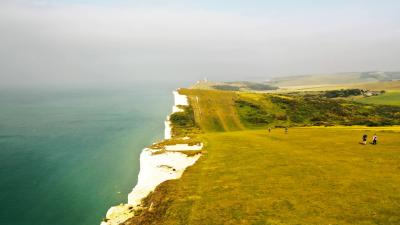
[{"x": 80, "y": 42}]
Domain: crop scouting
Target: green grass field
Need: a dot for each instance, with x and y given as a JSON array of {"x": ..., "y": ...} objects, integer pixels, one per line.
[
  {"x": 214, "y": 110},
  {"x": 309, "y": 176},
  {"x": 389, "y": 98}
]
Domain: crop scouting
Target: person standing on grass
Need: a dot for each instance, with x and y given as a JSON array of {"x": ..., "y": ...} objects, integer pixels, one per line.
[
  {"x": 269, "y": 130},
  {"x": 374, "y": 139},
  {"x": 286, "y": 130},
  {"x": 364, "y": 139}
]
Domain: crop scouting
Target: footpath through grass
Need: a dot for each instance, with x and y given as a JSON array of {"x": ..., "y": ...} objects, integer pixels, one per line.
[
  {"x": 308, "y": 176},
  {"x": 214, "y": 110}
]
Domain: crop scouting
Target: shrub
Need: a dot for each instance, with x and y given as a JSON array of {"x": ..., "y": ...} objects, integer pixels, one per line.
[
  {"x": 183, "y": 119},
  {"x": 343, "y": 93},
  {"x": 259, "y": 86},
  {"x": 226, "y": 87},
  {"x": 253, "y": 114},
  {"x": 318, "y": 110}
]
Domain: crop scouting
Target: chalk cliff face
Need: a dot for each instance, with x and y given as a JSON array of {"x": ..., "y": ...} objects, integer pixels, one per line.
[
  {"x": 156, "y": 166},
  {"x": 168, "y": 129},
  {"x": 179, "y": 100}
]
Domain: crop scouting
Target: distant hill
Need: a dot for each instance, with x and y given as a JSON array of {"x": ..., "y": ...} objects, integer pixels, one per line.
[
  {"x": 315, "y": 82},
  {"x": 334, "y": 79},
  {"x": 234, "y": 86}
]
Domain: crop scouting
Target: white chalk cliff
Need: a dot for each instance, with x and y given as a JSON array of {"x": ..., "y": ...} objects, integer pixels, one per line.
[
  {"x": 179, "y": 100},
  {"x": 155, "y": 169}
]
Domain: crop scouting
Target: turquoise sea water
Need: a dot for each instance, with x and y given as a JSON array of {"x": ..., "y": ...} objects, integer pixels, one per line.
[{"x": 66, "y": 156}]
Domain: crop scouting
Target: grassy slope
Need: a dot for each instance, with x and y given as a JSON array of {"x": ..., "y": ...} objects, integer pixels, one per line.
[
  {"x": 308, "y": 176},
  {"x": 214, "y": 110},
  {"x": 319, "y": 79},
  {"x": 389, "y": 98},
  {"x": 309, "y": 86},
  {"x": 387, "y": 85},
  {"x": 392, "y": 97},
  {"x": 265, "y": 105},
  {"x": 334, "y": 79}
]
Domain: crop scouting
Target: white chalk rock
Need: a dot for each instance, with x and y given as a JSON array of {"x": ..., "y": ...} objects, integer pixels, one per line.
[
  {"x": 167, "y": 129},
  {"x": 157, "y": 168},
  {"x": 180, "y": 99}
]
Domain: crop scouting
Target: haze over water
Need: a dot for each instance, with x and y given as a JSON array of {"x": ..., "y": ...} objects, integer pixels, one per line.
[{"x": 66, "y": 156}]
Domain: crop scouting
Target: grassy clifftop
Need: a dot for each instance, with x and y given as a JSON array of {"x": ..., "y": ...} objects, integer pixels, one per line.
[
  {"x": 230, "y": 111},
  {"x": 214, "y": 110},
  {"x": 308, "y": 176}
]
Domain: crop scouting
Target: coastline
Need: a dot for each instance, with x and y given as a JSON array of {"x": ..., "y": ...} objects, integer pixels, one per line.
[{"x": 156, "y": 166}]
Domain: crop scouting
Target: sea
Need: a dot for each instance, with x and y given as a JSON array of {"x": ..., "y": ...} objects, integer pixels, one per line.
[{"x": 68, "y": 154}]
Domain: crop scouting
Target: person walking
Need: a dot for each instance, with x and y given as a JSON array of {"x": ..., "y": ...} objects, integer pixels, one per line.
[
  {"x": 286, "y": 130},
  {"x": 374, "y": 139},
  {"x": 364, "y": 139},
  {"x": 269, "y": 130}
]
